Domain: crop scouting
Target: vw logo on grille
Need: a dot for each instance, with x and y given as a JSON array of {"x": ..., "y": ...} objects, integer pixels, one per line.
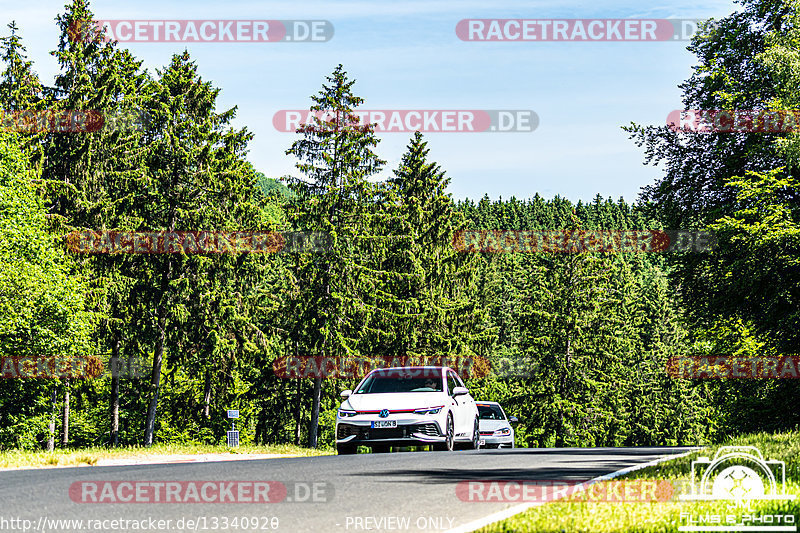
[{"x": 384, "y": 413}]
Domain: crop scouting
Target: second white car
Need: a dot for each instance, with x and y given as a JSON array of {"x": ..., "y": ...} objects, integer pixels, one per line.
[{"x": 495, "y": 426}]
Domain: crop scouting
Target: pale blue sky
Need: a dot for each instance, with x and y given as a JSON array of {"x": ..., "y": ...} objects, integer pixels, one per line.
[{"x": 405, "y": 55}]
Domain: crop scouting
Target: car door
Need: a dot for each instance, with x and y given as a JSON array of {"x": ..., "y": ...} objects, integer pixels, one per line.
[{"x": 461, "y": 410}]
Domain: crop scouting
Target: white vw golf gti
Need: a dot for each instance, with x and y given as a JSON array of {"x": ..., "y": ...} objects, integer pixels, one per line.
[{"x": 407, "y": 406}]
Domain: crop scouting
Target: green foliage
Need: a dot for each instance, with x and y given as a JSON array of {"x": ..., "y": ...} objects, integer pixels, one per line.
[
  {"x": 42, "y": 305},
  {"x": 742, "y": 298},
  {"x": 587, "y": 336}
]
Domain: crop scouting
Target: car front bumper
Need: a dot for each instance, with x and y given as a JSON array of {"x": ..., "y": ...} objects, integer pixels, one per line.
[
  {"x": 418, "y": 432},
  {"x": 491, "y": 441}
]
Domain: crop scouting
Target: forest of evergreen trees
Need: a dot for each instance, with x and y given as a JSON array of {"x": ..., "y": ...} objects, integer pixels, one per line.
[{"x": 579, "y": 342}]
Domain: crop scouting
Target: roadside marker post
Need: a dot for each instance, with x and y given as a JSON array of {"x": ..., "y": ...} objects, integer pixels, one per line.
[{"x": 233, "y": 435}]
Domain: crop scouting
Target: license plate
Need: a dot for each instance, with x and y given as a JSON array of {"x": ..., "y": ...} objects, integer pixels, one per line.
[
  {"x": 482, "y": 442},
  {"x": 383, "y": 424}
]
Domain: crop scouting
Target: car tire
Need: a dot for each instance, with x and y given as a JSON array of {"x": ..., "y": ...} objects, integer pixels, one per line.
[
  {"x": 344, "y": 449},
  {"x": 381, "y": 449},
  {"x": 476, "y": 437},
  {"x": 449, "y": 444}
]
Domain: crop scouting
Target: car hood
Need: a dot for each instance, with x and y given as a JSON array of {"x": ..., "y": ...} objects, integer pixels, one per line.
[
  {"x": 492, "y": 425},
  {"x": 394, "y": 401}
]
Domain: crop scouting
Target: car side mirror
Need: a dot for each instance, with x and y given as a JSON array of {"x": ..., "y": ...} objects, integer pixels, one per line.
[
  {"x": 460, "y": 391},
  {"x": 513, "y": 419},
  {"x": 346, "y": 393}
]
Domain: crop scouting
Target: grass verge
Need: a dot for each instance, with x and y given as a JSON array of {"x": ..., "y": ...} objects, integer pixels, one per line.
[
  {"x": 91, "y": 456},
  {"x": 668, "y": 516}
]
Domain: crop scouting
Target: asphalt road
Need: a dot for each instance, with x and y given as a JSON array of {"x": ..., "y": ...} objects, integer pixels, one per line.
[{"x": 412, "y": 491}]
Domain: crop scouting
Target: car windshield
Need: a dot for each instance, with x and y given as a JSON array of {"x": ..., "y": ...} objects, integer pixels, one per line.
[
  {"x": 382, "y": 383},
  {"x": 490, "y": 412}
]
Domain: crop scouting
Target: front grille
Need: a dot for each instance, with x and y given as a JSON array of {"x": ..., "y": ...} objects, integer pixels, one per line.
[
  {"x": 400, "y": 432},
  {"x": 345, "y": 430},
  {"x": 386, "y": 433},
  {"x": 429, "y": 428}
]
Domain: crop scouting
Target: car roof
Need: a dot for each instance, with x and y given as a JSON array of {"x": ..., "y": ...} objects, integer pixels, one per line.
[
  {"x": 433, "y": 372},
  {"x": 396, "y": 368}
]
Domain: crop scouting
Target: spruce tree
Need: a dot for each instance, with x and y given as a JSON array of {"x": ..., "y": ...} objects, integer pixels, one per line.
[{"x": 336, "y": 159}]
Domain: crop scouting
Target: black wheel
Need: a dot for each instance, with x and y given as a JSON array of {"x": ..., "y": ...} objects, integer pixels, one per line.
[
  {"x": 476, "y": 436},
  {"x": 381, "y": 449},
  {"x": 449, "y": 443},
  {"x": 344, "y": 449}
]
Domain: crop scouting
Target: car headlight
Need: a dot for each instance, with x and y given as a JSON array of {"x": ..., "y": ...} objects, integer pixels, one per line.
[
  {"x": 344, "y": 413},
  {"x": 428, "y": 410},
  {"x": 504, "y": 432}
]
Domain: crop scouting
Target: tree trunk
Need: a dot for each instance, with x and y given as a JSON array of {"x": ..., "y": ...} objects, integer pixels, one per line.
[
  {"x": 51, "y": 441},
  {"x": 314, "y": 424},
  {"x": 65, "y": 418},
  {"x": 115, "y": 371},
  {"x": 207, "y": 396},
  {"x": 561, "y": 434},
  {"x": 298, "y": 405},
  {"x": 158, "y": 357},
  {"x": 155, "y": 380},
  {"x": 298, "y": 414}
]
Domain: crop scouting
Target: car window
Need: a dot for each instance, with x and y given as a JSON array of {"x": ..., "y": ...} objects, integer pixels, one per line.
[
  {"x": 381, "y": 383},
  {"x": 451, "y": 382},
  {"x": 490, "y": 412}
]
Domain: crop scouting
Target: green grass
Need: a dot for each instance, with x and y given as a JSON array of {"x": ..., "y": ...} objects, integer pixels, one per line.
[
  {"x": 595, "y": 517},
  {"x": 90, "y": 456}
]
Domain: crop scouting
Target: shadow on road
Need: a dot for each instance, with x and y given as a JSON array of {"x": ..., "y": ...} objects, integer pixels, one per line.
[{"x": 582, "y": 470}]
